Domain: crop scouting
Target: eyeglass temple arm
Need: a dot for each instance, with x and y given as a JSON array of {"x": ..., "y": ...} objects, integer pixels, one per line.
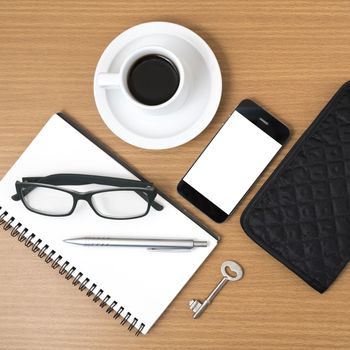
[{"x": 74, "y": 179}]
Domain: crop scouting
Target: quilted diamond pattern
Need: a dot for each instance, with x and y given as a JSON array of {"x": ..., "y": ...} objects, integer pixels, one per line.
[{"x": 301, "y": 215}]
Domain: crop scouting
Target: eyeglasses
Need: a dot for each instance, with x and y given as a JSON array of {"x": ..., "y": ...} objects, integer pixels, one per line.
[{"x": 129, "y": 199}]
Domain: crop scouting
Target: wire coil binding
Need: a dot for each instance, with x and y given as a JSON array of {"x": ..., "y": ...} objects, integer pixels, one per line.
[{"x": 46, "y": 253}]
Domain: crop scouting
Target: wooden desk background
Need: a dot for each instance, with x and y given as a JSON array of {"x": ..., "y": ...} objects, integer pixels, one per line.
[{"x": 291, "y": 56}]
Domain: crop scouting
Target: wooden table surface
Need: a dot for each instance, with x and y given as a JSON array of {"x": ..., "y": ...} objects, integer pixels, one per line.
[{"x": 290, "y": 56}]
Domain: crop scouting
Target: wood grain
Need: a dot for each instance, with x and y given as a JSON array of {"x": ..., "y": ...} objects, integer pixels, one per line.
[{"x": 290, "y": 56}]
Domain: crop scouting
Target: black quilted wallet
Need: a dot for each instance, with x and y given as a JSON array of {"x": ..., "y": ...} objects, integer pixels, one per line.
[{"x": 301, "y": 215}]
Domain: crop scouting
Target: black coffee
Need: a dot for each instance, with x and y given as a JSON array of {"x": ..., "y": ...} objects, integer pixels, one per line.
[{"x": 153, "y": 79}]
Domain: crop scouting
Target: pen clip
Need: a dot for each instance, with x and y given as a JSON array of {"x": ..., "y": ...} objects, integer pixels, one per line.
[{"x": 166, "y": 249}]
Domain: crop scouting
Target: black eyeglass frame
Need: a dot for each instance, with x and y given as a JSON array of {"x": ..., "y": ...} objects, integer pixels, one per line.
[{"x": 144, "y": 189}]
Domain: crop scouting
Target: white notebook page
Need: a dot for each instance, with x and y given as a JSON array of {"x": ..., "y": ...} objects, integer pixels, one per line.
[{"x": 143, "y": 282}]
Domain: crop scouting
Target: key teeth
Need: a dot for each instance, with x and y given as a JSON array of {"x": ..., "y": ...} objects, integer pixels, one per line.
[{"x": 195, "y": 305}]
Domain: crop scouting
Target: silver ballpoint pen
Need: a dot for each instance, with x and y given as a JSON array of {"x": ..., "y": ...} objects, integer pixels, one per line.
[{"x": 151, "y": 244}]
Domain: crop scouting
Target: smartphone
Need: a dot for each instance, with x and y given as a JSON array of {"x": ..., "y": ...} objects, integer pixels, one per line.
[{"x": 233, "y": 160}]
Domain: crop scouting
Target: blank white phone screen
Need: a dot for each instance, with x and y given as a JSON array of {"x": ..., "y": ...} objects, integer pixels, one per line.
[{"x": 231, "y": 163}]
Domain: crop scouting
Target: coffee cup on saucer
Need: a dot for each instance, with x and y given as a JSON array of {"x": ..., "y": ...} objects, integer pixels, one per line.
[
  {"x": 152, "y": 78},
  {"x": 157, "y": 85}
]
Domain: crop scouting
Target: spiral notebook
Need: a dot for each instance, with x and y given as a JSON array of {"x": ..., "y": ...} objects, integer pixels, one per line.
[{"x": 134, "y": 285}]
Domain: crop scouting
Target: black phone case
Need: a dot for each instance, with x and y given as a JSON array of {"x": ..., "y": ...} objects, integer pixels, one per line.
[{"x": 301, "y": 215}]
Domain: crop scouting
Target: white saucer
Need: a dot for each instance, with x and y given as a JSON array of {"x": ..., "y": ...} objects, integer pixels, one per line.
[{"x": 160, "y": 131}]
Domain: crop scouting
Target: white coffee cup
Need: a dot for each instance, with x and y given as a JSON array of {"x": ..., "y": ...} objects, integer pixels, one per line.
[{"x": 119, "y": 80}]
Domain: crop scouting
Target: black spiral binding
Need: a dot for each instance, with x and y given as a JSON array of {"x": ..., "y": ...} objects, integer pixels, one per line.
[{"x": 44, "y": 252}]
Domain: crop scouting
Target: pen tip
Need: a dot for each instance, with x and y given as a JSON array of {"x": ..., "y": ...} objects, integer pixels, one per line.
[{"x": 77, "y": 241}]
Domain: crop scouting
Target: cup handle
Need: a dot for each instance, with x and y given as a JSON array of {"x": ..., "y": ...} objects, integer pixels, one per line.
[{"x": 106, "y": 80}]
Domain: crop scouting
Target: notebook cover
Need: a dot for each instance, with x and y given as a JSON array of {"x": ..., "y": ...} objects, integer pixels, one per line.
[
  {"x": 137, "y": 285},
  {"x": 301, "y": 215}
]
